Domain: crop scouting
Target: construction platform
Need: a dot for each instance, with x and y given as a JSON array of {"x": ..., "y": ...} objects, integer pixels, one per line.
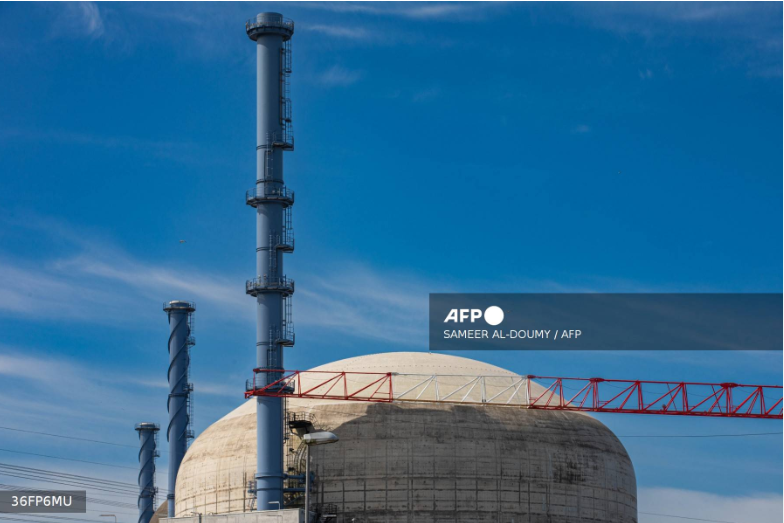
[{"x": 295, "y": 515}]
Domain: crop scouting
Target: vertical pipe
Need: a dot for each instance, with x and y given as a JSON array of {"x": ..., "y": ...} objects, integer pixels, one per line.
[
  {"x": 270, "y": 288},
  {"x": 269, "y": 413},
  {"x": 148, "y": 433},
  {"x": 307, "y": 483},
  {"x": 178, "y": 433}
]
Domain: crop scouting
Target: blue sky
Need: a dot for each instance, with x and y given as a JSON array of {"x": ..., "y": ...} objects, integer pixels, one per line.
[{"x": 440, "y": 147}]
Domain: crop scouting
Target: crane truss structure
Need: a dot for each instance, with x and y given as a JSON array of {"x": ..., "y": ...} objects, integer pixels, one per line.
[{"x": 726, "y": 400}]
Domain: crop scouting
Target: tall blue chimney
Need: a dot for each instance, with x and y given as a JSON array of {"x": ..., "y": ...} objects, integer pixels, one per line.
[
  {"x": 272, "y": 201},
  {"x": 179, "y": 432},
  {"x": 148, "y": 440}
]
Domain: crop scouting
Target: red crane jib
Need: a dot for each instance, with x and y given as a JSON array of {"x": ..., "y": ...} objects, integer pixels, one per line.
[{"x": 726, "y": 400}]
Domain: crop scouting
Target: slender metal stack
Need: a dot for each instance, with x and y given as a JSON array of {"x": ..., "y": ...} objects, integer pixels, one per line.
[
  {"x": 148, "y": 440},
  {"x": 272, "y": 201},
  {"x": 178, "y": 433}
]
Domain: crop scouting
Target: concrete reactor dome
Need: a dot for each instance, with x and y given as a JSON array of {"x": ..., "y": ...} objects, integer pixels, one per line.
[{"x": 424, "y": 462}]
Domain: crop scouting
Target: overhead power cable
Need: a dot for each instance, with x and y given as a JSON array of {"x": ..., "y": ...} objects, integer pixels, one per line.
[
  {"x": 71, "y": 483},
  {"x": 65, "y": 475},
  {"x": 68, "y": 477},
  {"x": 68, "y": 459},
  {"x": 71, "y": 437},
  {"x": 686, "y": 517}
]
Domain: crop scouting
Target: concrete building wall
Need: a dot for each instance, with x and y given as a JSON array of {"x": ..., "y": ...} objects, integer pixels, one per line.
[
  {"x": 466, "y": 464},
  {"x": 426, "y": 462},
  {"x": 161, "y": 512}
]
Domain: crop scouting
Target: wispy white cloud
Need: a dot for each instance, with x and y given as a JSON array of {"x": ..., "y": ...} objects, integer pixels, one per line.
[
  {"x": 754, "y": 28},
  {"x": 439, "y": 10},
  {"x": 581, "y": 129},
  {"x": 124, "y": 28},
  {"x": 212, "y": 389},
  {"x": 687, "y": 11},
  {"x": 80, "y": 20},
  {"x": 339, "y": 76},
  {"x": 117, "y": 267},
  {"x": 645, "y": 74},
  {"x": 412, "y": 10},
  {"x": 89, "y": 279},
  {"x": 101, "y": 283},
  {"x": 91, "y": 16},
  {"x": 81, "y": 390},
  {"x": 426, "y": 94},
  {"x": 339, "y": 31},
  {"x": 653, "y": 18},
  {"x": 20, "y": 366},
  {"x": 665, "y": 505},
  {"x": 105, "y": 285},
  {"x": 179, "y": 151},
  {"x": 193, "y": 15},
  {"x": 24, "y": 288},
  {"x": 359, "y": 302}
]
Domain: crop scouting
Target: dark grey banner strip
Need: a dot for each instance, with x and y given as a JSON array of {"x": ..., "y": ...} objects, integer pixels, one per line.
[
  {"x": 605, "y": 322},
  {"x": 43, "y": 501}
]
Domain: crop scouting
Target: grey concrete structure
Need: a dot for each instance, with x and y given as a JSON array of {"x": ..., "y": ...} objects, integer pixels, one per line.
[
  {"x": 161, "y": 512},
  {"x": 148, "y": 440},
  {"x": 178, "y": 431},
  {"x": 428, "y": 462},
  {"x": 272, "y": 516}
]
